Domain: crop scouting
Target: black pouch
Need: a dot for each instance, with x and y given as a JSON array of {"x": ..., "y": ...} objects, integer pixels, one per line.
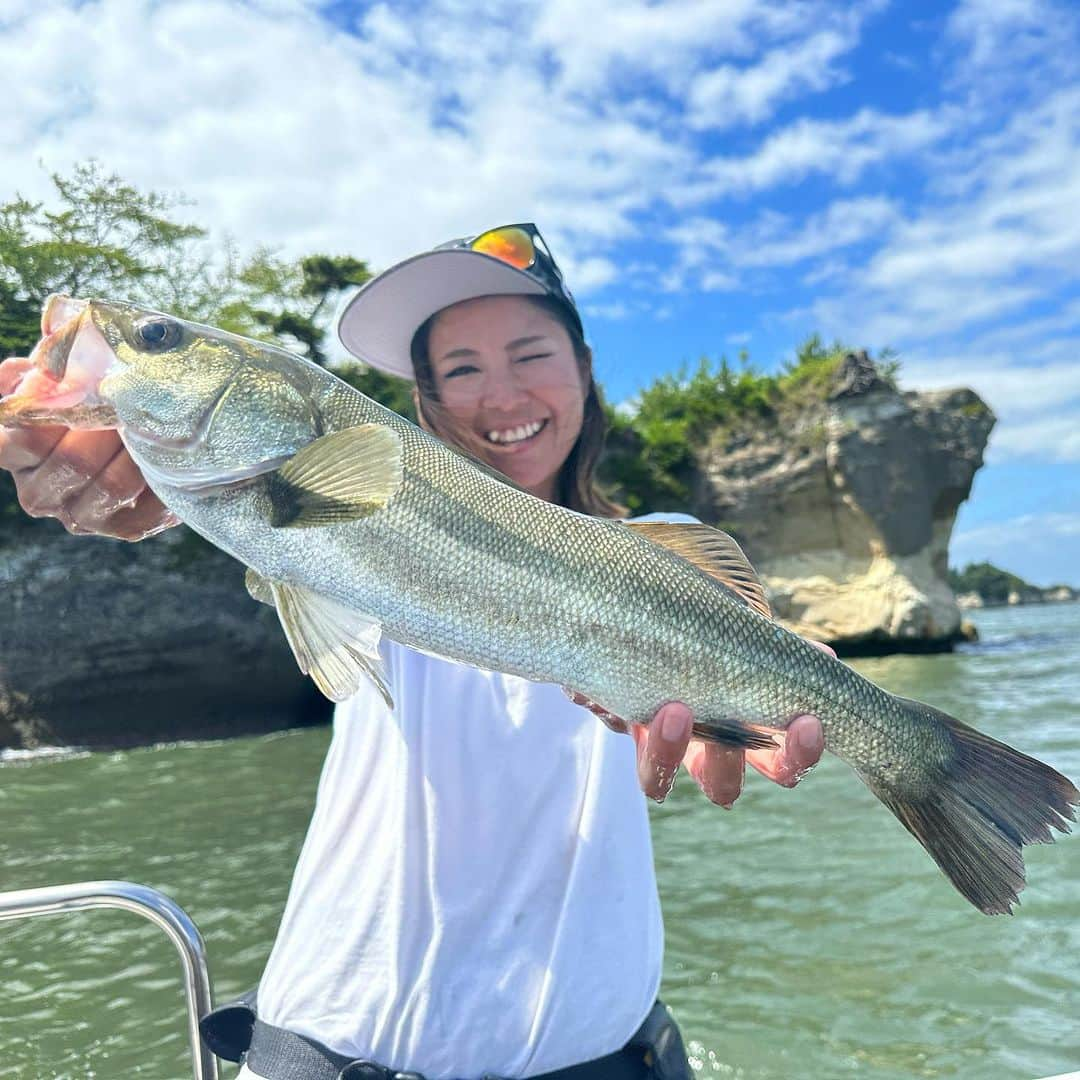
[
  {"x": 227, "y": 1030},
  {"x": 661, "y": 1041}
]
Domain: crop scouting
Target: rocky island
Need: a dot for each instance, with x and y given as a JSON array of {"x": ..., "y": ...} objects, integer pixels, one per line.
[
  {"x": 844, "y": 499},
  {"x": 982, "y": 584}
]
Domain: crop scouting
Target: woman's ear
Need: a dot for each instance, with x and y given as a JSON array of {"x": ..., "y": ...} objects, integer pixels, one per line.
[{"x": 421, "y": 419}]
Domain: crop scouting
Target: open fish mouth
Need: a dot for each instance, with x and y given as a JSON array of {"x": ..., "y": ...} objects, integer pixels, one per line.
[
  {"x": 68, "y": 364},
  {"x": 58, "y": 311}
]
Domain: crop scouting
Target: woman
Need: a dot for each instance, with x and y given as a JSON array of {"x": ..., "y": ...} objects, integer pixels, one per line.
[{"x": 475, "y": 896}]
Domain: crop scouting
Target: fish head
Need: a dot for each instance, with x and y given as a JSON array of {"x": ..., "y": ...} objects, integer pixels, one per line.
[{"x": 195, "y": 406}]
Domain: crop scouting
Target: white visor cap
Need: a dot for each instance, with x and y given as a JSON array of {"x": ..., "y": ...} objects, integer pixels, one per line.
[{"x": 379, "y": 322}]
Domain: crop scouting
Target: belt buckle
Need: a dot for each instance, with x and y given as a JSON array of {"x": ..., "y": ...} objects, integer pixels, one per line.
[
  {"x": 364, "y": 1070},
  {"x": 369, "y": 1070}
]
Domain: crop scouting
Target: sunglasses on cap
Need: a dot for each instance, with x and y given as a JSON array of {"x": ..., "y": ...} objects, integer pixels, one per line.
[{"x": 522, "y": 247}]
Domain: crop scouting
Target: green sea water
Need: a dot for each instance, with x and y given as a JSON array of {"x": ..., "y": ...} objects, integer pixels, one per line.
[{"x": 807, "y": 934}]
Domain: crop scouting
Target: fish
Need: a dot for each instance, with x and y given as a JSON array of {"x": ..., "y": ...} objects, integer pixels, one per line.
[{"x": 355, "y": 524}]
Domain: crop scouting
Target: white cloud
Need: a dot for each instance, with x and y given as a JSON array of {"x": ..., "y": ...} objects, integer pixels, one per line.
[
  {"x": 1051, "y": 524},
  {"x": 1037, "y": 546},
  {"x": 613, "y": 312},
  {"x": 708, "y": 250},
  {"x": 1003, "y": 235},
  {"x": 592, "y": 43},
  {"x": 287, "y": 130},
  {"x": 718, "y": 281},
  {"x": 730, "y": 95},
  {"x": 841, "y": 149},
  {"x": 1001, "y": 33}
]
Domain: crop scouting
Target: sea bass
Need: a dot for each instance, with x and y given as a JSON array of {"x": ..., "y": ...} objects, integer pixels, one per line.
[{"x": 354, "y": 523}]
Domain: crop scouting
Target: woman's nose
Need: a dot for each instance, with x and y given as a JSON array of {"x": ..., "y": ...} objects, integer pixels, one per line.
[{"x": 503, "y": 389}]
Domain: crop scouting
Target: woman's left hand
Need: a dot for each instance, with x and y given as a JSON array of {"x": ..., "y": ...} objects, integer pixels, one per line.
[{"x": 665, "y": 744}]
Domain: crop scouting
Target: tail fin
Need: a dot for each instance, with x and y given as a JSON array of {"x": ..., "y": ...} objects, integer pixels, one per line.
[{"x": 987, "y": 802}]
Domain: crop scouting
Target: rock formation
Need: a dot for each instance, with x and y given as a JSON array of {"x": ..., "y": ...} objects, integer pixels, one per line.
[
  {"x": 104, "y": 643},
  {"x": 847, "y": 514}
]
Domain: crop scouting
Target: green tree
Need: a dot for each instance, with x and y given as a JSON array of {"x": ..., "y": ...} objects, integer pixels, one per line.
[
  {"x": 100, "y": 236},
  {"x": 991, "y": 582}
]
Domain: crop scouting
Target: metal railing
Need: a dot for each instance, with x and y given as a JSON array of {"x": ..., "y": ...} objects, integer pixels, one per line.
[{"x": 152, "y": 905}]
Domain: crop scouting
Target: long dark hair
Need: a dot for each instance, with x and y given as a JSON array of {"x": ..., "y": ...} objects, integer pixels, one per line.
[{"x": 577, "y": 487}]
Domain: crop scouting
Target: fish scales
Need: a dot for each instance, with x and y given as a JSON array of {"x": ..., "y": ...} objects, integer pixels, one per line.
[{"x": 354, "y": 523}]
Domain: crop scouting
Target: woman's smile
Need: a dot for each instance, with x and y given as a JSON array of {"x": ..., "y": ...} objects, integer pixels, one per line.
[{"x": 510, "y": 438}]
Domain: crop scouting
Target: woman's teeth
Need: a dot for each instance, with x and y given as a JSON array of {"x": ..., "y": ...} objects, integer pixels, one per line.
[{"x": 517, "y": 434}]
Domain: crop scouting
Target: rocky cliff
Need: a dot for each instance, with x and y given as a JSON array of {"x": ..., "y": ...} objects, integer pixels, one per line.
[
  {"x": 104, "y": 643},
  {"x": 846, "y": 512}
]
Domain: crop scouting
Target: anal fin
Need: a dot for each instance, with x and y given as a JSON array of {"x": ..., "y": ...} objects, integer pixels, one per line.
[{"x": 336, "y": 646}]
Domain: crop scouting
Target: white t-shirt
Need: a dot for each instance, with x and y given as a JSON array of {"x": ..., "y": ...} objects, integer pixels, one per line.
[{"x": 476, "y": 891}]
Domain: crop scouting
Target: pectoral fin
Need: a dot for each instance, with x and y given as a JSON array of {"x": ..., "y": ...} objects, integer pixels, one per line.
[
  {"x": 341, "y": 477},
  {"x": 336, "y": 646},
  {"x": 714, "y": 552}
]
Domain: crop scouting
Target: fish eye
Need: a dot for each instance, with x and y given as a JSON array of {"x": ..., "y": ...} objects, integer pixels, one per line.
[{"x": 156, "y": 334}]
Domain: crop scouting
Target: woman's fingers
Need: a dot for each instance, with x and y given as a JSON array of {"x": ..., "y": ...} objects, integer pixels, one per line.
[
  {"x": 26, "y": 448},
  {"x": 799, "y": 749},
  {"x": 147, "y": 517},
  {"x": 11, "y": 372},
  {"x": 718, "y": 770},
  {"x": 118, "y": 485},
  {"x": 661, "y": 748},
  {"x": 73, "y": 463}
]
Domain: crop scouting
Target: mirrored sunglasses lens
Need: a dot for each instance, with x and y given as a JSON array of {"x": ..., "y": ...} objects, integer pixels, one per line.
[{"x": 513, "y": 246}]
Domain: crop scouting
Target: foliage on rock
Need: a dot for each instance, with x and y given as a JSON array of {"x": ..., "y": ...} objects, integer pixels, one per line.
[{"x": 655, "y": 443}]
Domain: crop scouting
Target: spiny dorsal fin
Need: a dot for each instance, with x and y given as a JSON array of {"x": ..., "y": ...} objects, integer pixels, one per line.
[
  {"x": 714, "y": 552},
  {"x": 336, "y": 646},
  {"x": 340, "y": 477}
]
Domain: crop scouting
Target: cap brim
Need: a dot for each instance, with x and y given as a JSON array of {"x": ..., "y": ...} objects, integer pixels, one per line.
[{"x": 378, "y": 324}]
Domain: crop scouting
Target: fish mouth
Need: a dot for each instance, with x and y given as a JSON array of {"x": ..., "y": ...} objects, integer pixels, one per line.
[{"x": 67, "y": 365}]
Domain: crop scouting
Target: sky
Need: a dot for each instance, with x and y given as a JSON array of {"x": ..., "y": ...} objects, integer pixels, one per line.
[{"x": 711, "y": 176}]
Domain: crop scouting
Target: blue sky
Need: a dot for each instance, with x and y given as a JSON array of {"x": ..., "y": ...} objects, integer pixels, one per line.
[{"x": 712, "y": 176}]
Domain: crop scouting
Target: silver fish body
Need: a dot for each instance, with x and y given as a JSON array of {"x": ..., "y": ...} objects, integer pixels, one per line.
[{"x": 447, "y": 557}]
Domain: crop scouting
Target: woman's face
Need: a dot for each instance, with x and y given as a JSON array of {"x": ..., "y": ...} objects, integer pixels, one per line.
[{"x": 506, "y": 370}]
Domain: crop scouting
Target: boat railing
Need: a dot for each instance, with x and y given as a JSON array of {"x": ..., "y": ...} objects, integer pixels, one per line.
[{"x": 152, "y": 905}]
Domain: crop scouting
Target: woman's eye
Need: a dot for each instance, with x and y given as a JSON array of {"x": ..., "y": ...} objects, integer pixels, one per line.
[
  {"x": 532, "y": 356},
  {"x": 461, "y": 369}
]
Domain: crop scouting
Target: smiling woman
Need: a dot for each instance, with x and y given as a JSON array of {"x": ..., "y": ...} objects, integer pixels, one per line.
[
  {"x": 470, "y": 823},
  {"x": 511, "y": 378}
]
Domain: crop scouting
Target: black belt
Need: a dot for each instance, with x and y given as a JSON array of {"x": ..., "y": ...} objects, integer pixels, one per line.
[
  {"x": 234, "y": 1032},
  {"x": 277, "y": 1054}
]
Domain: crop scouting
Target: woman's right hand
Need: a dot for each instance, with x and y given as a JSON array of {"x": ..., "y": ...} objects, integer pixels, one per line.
[{"x": 86, "y": 479}]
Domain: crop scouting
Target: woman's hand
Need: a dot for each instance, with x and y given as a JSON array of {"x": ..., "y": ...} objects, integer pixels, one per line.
[
  {"x": 665, "y": 744},
  {"x": 86, "y": 479},
  {"x": 718, "y": 770}
]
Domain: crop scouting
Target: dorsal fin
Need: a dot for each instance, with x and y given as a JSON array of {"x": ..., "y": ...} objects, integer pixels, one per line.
[{"x": 714, "y": 552}]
